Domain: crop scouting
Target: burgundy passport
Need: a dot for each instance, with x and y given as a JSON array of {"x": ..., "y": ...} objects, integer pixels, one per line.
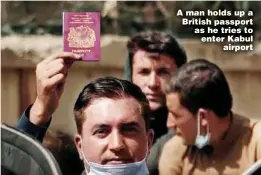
[{"x": 81, "y": 34}]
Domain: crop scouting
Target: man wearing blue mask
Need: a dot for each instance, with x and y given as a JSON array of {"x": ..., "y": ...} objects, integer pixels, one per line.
[
  {"x": 210, "y": 138},
  {"x": 112, "y": 119}
]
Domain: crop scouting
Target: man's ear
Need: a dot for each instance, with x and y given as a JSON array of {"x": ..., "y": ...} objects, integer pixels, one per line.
[
  {"x": 78, "y": 144},
  {"x": 204, "y": 116},
  {"x": 150, "y": 139}
]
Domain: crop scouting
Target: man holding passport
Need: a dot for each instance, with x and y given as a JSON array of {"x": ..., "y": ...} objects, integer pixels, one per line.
[{"x": 112, "y": 118}]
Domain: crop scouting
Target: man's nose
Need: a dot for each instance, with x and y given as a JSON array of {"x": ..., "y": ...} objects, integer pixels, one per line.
[
  {"x": 116, "y": 142},
  {"x": 171, "y": 122},
  {"x": 153, "y": 81}
]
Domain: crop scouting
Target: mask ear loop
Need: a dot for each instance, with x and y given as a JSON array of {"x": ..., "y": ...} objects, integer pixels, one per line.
[
  {"x": 198, "y": 123},
  {"x": 208, "y": 129},
  {"x": 84, "y": 158},
  {"x": 147, "y": 152}
]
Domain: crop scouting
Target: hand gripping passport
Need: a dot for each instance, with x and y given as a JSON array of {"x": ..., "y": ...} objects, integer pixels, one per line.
[{"x": 81, "y": 34}]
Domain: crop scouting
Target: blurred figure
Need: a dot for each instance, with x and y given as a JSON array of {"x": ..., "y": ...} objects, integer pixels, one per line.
[
  {"x": 152, "y": 57},
  {"x": 62, "y": 146},
  {"x": 210, "y": 138}
]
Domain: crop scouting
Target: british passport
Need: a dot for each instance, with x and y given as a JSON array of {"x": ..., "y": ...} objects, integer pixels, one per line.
[{"x": 81, "y": 34}]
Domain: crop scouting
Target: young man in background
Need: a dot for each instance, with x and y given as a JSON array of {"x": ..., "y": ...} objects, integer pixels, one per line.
[
  {"x": 152, "y": 58},
  {"x": 210, "y": 139}
]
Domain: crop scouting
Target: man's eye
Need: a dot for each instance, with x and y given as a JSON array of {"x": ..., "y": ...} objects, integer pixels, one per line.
[
  {"x": 100, "y": 132},
  {"x": 163, "y": 72},
  {"x": 130, "y": 129},
  {"x": 144, "y": 72}
]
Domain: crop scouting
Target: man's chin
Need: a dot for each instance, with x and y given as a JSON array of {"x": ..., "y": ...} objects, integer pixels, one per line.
[{"x": 118, "y": 161}]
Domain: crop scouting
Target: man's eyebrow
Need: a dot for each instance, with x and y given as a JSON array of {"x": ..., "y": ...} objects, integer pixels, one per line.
[
  {"x": 143, "y": 68},
  {"x": 101, "y": 125},
  {"x": 130, "y": 124},
  {"x": 165, "y": 68}
]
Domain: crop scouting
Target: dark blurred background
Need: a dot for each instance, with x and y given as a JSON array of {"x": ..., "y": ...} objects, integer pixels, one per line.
[{"x": 120, "y": 18}]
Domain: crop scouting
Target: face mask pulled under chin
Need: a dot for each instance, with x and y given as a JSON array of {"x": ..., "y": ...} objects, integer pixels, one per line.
[
  {"x": 202, "y": 140},
  {"x": 136, "y": 168}
]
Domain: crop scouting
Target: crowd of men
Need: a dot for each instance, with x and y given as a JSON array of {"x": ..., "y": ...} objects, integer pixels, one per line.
[{"x": 169, "y": 117}]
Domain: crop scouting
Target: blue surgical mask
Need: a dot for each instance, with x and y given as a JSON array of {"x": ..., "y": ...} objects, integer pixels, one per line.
[
  {"x": 136, "y": 168},
  {"x": 202, "y": 140}
]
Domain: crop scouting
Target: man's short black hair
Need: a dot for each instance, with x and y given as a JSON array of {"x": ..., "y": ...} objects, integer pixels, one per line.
[
  {"x": 157, "y": 42},
  {"x": 112, "y": 88},
  {"x": 202, "y": 84}
]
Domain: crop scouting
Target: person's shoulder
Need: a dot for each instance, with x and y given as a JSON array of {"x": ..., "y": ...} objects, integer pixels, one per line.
[
  {"x": 256, "y": 138},
  {"x": 253, "y": 124},
  {"x": 256, "y": 128},
  {"x": 175, "y": 145},
  {"x": 256, "y": 124},
  {"x": 172, "y": 157}
]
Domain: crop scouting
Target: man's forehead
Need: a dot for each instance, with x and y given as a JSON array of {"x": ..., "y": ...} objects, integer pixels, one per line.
[
  {"x": 154, "y": 55},
  {"x": 113, "y": 110},
  {"x": 144, "y": 54},
  {"x": 173, "y": 101},
  {"x": 142, "y": 57}
]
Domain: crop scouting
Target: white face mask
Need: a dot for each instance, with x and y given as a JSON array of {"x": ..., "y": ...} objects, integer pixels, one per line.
[
  {"x": 202, "y": 140},
  {"x": 136, "y": 168}
]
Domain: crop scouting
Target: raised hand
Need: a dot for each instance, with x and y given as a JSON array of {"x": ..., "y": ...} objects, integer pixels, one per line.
[{"x": 51, "y": 76}]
